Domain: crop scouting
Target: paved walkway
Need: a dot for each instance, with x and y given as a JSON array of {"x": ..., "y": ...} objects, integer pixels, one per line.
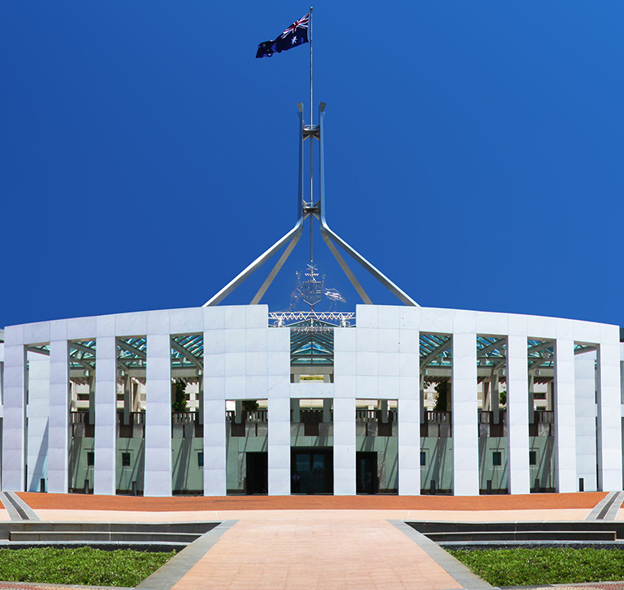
[{"x": 314, "y": 542}]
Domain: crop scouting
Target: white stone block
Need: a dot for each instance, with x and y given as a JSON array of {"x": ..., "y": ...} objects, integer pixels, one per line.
[
  {"x": 367, "y": 340},
  {"x": 214, "y": 318},
  {"x": 131, "y": 324},
  {"x": 257, "y": 316},
  {"x": 367, "y": 316},
  {"x": 235, "y": 317},
  {"x": 256, "y": 340},
  {"x": 410, "y": 342},
  {"x": 37, "y": 333},
  {"x": 389, "y": 316},
  {"x": 388, "y": 387},
  {"x": 105, "y": 326},
  {"x": 409, "y": 318},
  {"x": 235, "y": 387},
  {"x": 186, "y": 321},
  {"x": 389, "y": 341},
  {"x": 409, "y": 364},
  {"x": 257, "y": 387},
  {"x": 465, "y": 322},
  {"x": 345, "y": 363},
  {"x": 278, "y": 340},
  {"x": 158, "y": 322},
  {"x": 214, "y": 365},
  {"x": 367, "y": 364},
  {"x": 235, "y": 364},
  {"x": 214, "y": 342},
  {"x": 366, "y": 387},
  {"x": 345, "y": 340},
  {"x": 82, "y": 328},
  {"x": 214, "y": 387},
  {"x": 278, "y": 387},
  {"x": 436, "y": 321},
  {"x": 493, "y": 324},
  {"x": 235, "y": 340},
  {"x": 256, "y": 363},
  {"x": 14, "y": 335},
  {"x": 389, "y": 364},
  {"x": 541, "y": 328},
  {"x": 58, "y": 330}
]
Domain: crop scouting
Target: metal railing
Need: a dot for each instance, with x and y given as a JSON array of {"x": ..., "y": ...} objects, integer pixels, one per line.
[
  {"x": 435, "y": 417},
  {"x": 255, "y": 416},
  {"x": 183, "y": 417},
  {"x": 374, "y": 415}
]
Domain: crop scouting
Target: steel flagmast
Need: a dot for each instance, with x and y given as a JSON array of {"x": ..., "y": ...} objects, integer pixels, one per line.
[{"x": 311, "y": 136}]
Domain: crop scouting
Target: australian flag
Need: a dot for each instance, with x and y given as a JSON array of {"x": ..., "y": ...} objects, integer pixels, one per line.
[{"x": 295, "y": 34}]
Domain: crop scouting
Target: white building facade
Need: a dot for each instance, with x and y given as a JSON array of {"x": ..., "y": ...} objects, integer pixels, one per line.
[{"x": 89, "y": 404}]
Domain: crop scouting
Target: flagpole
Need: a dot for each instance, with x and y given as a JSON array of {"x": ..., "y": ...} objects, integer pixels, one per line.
[
  {"x": 311, "y": 140},
  {"x": 311, "y": 99}
]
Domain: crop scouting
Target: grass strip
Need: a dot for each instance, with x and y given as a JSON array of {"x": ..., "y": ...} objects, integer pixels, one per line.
[
  {"x": 555, "y": 565},
  {"x": 80, "y": 566}
]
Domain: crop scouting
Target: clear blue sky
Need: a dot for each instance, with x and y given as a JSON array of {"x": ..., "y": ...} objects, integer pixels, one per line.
[{"x": 474, "y": 151}]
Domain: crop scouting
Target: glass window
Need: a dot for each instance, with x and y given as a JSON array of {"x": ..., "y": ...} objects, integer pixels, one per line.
[
  {"x": 125, "y": 459},
  {"x": 532, "y": 457},
  {"x": 423, "y": 458},
  {"x": 200, "y": 459},
  {"x": 496, "y": 458},
  {"x": 90, "y": 459}
]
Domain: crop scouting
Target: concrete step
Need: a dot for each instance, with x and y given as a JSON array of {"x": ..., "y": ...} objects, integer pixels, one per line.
[
  {"x": 197, "y": 528},
  {"x": 493, "y": 536},
  {"x": 97, "y": 536}
]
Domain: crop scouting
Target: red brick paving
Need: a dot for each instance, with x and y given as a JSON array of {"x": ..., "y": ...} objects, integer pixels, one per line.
[{"x": 186, "y": 503}]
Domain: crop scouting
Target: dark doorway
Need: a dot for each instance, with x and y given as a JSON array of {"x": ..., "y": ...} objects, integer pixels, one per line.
[
  {"x": 312, "y": 472},
  {"x": 257, "y": 473},
  {"x": 366, "y": 473}
]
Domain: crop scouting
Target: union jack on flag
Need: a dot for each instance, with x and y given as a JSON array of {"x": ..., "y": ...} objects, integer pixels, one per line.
[{"x": 295, "y": 34}]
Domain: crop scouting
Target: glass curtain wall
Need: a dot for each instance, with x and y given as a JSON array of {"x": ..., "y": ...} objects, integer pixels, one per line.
[
  {"x": 311, "y": 443},
  {"x": 492, "y": 401},
  {"x": 82, "y": 367},
  {"x": 376, "y": 428},
  {"x": 187, "y": 429},
  {"x": 131, "y": 380},
  {"x": 247, "y": 464},
  {"x": 541, "y": 376},
  {"x": 436, "y": 443}
]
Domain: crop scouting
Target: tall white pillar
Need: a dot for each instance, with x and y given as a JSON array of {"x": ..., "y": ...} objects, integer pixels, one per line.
[
  {"x": 105, "y": 444},
  {"x": 14, "y": 422},
  {"x": 518, "y": 415},
  {"x": 409, "y": 446},
  {"x": 465, "y": 416},
  {"x": 215, "y": 466},
  {"x": 585, "y": 396},
  {"x": 609, "y": 416},
  {"x": 158, "y": 475},
  {"x": 565, "y": 416},
  {"x": 215, "y": 474},
  {"x": 279, "y": 446},
  {"x": 58, "y": 438},
  {"x": 344, "y": 446},
  {"x": 38, "y": 394}
]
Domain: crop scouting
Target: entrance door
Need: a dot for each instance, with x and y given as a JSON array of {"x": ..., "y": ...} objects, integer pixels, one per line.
[
  {"x": 257, "y": 473},
  {"x": 366, "y": 473},
  {"x": 312, "y": 472}
]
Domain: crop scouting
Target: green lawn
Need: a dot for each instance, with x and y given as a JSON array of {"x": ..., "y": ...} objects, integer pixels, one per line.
[
  {"x": 529, "y": 567},
  {"x": 82, "y": 565}
]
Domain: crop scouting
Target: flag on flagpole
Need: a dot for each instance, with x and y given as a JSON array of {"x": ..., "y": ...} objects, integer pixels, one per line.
[{"x": 295, "y": 34}]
